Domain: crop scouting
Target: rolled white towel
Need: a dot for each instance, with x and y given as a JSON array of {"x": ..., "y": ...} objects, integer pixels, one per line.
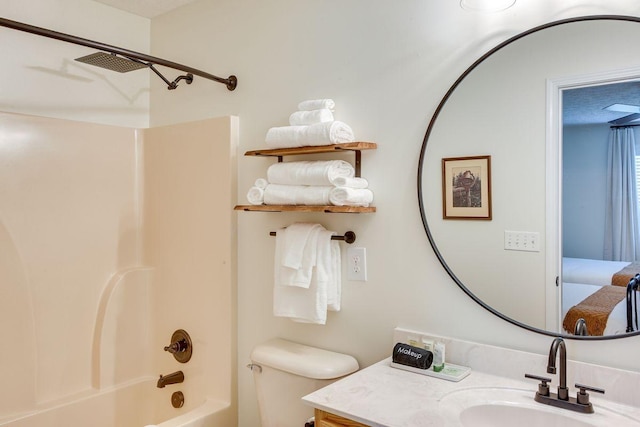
[
  {"x": 302, "y": 118},
  {"x": 255, "y": 196},
  {"x": 319, "y": 172},
  {"x": 345, "y": 196},
  {"x": 316, "y": 104},
  {"x": 326, "y": 133},
  {"x": 276, "y": 194},
  {"x": 261, "y": 183},
  {"x": 351, "y": 182}
]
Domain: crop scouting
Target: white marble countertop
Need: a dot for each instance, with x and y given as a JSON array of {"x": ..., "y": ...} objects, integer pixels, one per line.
[{"x": 383, "y": 396}]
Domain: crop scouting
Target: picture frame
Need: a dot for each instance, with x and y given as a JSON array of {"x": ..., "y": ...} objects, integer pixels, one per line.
[{"x": 466, "y": 188}]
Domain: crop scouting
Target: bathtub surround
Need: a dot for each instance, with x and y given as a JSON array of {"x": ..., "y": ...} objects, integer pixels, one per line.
[{"x": 111, "y": 238}]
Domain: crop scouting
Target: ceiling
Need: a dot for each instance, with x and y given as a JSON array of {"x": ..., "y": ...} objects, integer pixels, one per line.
[
  {"x": 146, "y": 8},
  {"x": 585, "y": 105}
]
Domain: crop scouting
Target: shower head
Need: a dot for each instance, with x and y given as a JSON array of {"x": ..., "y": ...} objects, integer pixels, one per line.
[{"x": 112, "y": 62}]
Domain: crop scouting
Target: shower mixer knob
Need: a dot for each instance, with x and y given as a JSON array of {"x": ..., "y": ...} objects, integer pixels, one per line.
[{"x": 181, "y": 346}]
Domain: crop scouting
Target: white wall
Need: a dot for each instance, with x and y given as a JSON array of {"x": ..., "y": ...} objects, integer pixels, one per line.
[
  {"x": 39, "y": 75},
  {"x": 387, "y": 65}
]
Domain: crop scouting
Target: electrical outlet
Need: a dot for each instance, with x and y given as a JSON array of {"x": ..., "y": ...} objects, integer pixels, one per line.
[{"x": 357, "y": 264}]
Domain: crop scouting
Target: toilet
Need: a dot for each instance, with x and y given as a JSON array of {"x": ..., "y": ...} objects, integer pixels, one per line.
[{"x": 285, "y": 371}]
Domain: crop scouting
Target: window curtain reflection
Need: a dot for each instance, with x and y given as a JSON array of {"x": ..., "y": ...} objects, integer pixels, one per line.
[{"x": 622, "y": 238}]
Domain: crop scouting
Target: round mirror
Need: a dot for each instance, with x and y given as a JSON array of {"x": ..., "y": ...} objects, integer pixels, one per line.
[{"x": 513, "y": 171}]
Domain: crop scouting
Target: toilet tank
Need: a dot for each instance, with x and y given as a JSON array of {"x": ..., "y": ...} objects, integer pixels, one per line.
[{"x": 287, "y": 372}]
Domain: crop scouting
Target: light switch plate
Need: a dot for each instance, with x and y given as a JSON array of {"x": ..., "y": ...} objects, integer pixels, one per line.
[{"x": 528, "y": 241}]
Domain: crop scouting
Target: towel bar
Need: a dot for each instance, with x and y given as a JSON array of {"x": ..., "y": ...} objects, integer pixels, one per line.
[{"x": 349, "y": 236}]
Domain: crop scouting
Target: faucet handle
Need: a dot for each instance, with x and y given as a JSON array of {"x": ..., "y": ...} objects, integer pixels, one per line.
[
  {"x": 583, "y": 396},
  {"x": 543, "y": 387}
]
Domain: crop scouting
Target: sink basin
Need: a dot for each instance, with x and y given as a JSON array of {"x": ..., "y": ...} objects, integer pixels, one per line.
[
  {"x": 492, "y": 415},
  {"x": 499, "y": 406}
]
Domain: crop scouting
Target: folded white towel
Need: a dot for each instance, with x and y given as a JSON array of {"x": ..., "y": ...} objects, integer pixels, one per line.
[
  {"x": 255, "y": 196},
  {"x": 345, "y": 181},
  {"x": 277, "y": 194},
  {"x": 301, "y": 118},
  {"x": 317, "y": 172},
  {"x": 345, "y": 196},
  {"x": 327, "y": 133},
  {"x": 316, "y": 104},
  {"x": 261, "y": 183}
]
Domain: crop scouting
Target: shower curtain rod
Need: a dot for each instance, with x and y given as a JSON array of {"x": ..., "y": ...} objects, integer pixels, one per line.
[{"x": 231, "y": 82}]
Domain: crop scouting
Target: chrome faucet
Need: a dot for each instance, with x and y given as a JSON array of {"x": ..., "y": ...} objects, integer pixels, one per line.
[
  {"x": 562, "y": 400},
  {"x": 173, "y": 378},
  {"x": 563, "y": 391}
]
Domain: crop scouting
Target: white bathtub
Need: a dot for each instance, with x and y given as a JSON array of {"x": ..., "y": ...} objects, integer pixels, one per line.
[{"x": 137, "y": 404}]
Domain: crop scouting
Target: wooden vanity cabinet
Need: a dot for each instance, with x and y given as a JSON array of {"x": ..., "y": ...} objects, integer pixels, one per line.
[{"x": 326, "y": 419}]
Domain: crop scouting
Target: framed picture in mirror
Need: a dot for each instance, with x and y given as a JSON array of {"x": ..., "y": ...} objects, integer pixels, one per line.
[{"x": 466, "y": 187}]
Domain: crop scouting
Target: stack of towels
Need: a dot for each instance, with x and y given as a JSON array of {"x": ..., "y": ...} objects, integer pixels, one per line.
[
  {"x": 307, "y": 273},
  {"x": 319, "y": 183},
  {"x": 312, "y": 124}
]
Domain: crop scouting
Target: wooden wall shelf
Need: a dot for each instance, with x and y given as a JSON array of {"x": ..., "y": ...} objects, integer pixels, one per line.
[
  {"x": 355, "y": 147},
  {"x": 305, "y": 208},
  {"x": 315, "y": 149}
]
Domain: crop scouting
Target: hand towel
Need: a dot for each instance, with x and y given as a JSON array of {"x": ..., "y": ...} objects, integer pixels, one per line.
[
  {"x": 261, "y": 183},
  {"x": 351, "y": 182},
  {"x": 305, "y": 305},
  {"x": 301, "y": 304},
  {"x": 310, "y": 305},
  {"x": 328, "y": 268},
  {"x": 301, "y": 118},
  {"x": 255, "y": 196},
  {"x": 296, "y": 238},
  {"x": 319, "y": 172},
  {"x": 327, "y": 133},
  {"x": 345, "y": 196},
  {"x": 316, "y": 104},
  {"x": 276, "y": 194},
  {"x": 298, "y": 254}
]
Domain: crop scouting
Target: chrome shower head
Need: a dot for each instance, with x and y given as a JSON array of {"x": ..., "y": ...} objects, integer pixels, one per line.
[{"x": 112, "y": 62}]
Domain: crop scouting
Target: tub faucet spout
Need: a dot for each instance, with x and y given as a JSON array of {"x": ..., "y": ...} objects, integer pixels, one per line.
[{"x": 173, "y": 378}]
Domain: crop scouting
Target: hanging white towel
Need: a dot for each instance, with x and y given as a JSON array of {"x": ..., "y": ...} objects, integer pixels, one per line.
[
  {"x": 316, "y": 104},
  {"x": 302, "y": 118},
  {"x": 309, "y": 305},
  {"x": 351, "y": 182},
  {"x": 255, "y": 195},
  {"x": 345, "y": 196},
  {"x": 318, "y": 134},
  {"x": 276, "y": 194},
  {"x": 328, "y": 268},
  {"x": 296, "y": 240},
  {"x": 318, "y": 172}
]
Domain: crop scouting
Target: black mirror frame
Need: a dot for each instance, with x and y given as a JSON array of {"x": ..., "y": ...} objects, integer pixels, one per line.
[{"x": 422, "y": 160}]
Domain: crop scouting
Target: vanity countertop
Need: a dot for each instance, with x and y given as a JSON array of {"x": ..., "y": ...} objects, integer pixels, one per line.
[{"x": 384, "y": 396}]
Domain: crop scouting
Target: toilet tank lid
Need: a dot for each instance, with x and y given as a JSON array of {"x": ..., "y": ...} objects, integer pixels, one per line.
[{"x": 303, "y": 360}]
